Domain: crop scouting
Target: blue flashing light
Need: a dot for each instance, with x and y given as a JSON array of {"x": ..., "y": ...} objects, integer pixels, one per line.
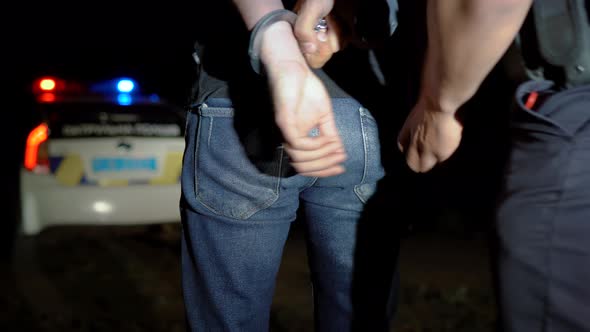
[
  {"x": 124, "y": 99},
  {"x": 154, "y": 98},
  {"x": 115, "y": 86},
  {"x": 125, "y": 85}
]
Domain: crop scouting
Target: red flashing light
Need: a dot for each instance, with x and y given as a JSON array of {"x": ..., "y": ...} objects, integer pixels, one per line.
[
  {"x": 47, "y": 97},
  {"x": 47, "y": 84}
]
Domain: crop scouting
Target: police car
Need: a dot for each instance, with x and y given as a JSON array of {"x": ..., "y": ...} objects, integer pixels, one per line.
[{"x": 100, "y": 154}]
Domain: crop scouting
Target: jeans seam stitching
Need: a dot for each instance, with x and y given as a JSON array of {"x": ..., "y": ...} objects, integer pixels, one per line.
[
  {"x": 365, "y": 162},
  {"x": 281, "y": 154},
  {"x": 366, "y": 153},
  {"x": 210, "y": 132},
  {"x": 195, "y": 165}
]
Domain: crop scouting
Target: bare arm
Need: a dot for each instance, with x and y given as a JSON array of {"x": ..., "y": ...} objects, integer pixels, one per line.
[
  {"x": 466, "y": 40},
  {"x": 253, "y": 10}
]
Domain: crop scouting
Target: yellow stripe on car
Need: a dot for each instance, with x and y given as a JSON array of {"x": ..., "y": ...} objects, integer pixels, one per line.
[
  {"x": 113, "y": 182},
  {"x": 70, "y": 170},
  {"x": 171, "y": 171}
]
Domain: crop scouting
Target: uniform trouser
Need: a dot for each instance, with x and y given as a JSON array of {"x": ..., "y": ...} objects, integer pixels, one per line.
[
  {"x": 237, "y": 212},
  {"x": 543, "y": 220}
]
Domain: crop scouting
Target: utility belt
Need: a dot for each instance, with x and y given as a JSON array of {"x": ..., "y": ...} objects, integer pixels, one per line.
[{"x": 555, "y": 42}]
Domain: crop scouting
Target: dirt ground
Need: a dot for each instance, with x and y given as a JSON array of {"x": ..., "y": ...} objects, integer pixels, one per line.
[{"x": 127, "y": 279}]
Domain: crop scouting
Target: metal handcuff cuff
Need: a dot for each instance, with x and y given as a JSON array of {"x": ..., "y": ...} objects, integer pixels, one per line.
[{"x": 266, "y": 21}]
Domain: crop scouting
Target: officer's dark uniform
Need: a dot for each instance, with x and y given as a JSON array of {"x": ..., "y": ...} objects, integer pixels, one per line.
[{"x": 543, "y": 220}]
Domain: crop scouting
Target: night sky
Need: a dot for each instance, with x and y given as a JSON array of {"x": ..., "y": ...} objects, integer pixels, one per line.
[{"x": 150, "y": 41}]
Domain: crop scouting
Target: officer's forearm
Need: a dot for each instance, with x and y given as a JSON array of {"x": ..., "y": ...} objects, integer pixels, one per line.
[{"x": 466, "y": 40}]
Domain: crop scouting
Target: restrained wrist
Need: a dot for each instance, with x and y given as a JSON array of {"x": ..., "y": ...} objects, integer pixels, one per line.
[
  {"x": 279, "y": 45},
  {"x": 258, "y": 32}
]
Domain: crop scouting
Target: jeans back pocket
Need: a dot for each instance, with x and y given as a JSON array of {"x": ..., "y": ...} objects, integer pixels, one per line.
[{"x": 226, "y": 180}]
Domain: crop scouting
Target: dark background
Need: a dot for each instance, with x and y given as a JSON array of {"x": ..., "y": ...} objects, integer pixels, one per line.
[{"x": 151, "y": 41}]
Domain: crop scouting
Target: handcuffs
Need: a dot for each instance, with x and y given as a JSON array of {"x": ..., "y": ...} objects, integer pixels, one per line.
[{"x": 266, "y": 21}]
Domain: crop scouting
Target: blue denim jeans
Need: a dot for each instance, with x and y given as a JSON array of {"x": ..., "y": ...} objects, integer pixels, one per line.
[
  {"x": 543, "y": 219},
  {"x": 237, "y": 215}
]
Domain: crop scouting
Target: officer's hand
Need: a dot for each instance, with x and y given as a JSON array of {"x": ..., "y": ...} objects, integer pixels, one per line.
[
  {"x": 302, "y": 106},
  {"x": 429, "y": 136}
]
